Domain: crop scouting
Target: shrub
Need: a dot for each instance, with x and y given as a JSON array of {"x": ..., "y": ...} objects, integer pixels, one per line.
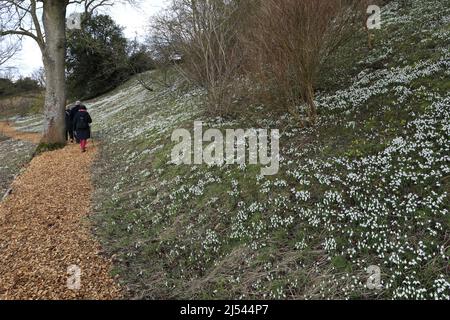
[{"x": 287, "y": 43}]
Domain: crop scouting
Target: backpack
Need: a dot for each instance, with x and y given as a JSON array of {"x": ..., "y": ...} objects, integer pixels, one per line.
[{"x": 82, "y": 121}]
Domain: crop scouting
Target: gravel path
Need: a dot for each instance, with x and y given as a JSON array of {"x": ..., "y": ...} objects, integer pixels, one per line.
[{"x": 44, "y": 232}]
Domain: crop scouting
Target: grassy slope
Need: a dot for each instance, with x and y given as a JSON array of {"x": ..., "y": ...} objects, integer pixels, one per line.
[{"x": 368, "y": 186}]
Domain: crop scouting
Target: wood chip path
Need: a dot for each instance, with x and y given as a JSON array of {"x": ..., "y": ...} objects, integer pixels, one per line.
[{"x": 44, "y": 231}]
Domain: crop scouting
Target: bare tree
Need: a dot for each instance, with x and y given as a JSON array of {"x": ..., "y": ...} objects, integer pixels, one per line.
[
  {"x": 38, "y": 75},
  {"x": 93, "y": 6},
  {"x": 204, "y": 33},
  {"x": 8, "y": 48},
  {"x": 45, "y": 22},
  {"x": 9, "y": 73}
]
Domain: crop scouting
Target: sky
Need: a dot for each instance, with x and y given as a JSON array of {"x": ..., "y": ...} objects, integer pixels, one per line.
[{"x": 133, "y": 19}]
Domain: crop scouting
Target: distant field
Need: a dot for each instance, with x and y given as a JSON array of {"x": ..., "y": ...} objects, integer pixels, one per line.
[{"x": 22, "y": 105}]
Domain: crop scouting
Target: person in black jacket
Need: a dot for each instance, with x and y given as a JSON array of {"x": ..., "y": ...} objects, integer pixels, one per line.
[
  {"x": 81, "y": 125},
  {"x": 69, "y": 126},
  {"x": 73, "y": 113}
]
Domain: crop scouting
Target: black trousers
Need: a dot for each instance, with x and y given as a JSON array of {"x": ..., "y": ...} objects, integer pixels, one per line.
[
  {"x": 75, "y": 136},
  {"x": 69, "y": 135}
]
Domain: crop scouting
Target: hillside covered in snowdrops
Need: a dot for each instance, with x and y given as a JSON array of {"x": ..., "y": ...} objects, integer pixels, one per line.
[{"x": 367, "y": 187}]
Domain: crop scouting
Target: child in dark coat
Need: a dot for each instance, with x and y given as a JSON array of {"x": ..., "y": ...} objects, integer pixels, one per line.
[
  {"x": 69, "y": 126},
  {"x": 81, "y": 125}
]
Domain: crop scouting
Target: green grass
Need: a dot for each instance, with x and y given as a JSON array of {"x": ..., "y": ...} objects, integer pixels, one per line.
[
  {"x": 176, "y": 234},
  {"x": 46, "y": 147}
]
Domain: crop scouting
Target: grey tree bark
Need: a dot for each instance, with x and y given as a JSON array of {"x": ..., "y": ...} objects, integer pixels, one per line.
[{"x": 53, "y": 57}]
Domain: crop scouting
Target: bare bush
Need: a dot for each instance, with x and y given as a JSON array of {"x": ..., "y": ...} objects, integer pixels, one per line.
[
  {"x": 204, "y": 34},
  {"x": 287, "y": 43}
]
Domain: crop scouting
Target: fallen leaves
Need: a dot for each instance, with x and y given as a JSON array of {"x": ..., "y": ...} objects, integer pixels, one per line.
[{"x": 43, "y": 231}]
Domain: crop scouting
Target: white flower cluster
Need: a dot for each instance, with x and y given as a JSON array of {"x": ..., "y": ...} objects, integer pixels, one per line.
[{"x": 387, "y": 206}]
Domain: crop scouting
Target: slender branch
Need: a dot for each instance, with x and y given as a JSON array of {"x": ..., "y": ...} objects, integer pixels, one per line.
[
  {"x": 21, "y": 32},
  {"x": 37, "y": 25}
]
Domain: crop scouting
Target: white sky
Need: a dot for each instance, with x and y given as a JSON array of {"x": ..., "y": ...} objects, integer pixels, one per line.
[{"x": 133, "y": 19}]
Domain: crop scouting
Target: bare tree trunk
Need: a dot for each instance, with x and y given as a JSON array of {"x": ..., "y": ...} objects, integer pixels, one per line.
[
  {"x": 311, "y": 103},
  {"x": 54, "y": 62}
]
